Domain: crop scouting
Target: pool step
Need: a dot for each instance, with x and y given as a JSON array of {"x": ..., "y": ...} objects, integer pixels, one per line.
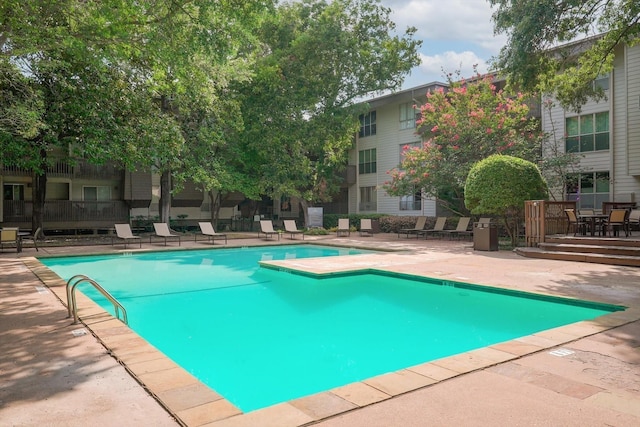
[
  {"x": 592, "y": 249},
  {"x": 593, "y": 253}
]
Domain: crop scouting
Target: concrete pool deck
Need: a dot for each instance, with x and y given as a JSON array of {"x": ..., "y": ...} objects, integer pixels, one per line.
[{"x": 586, "y": 374}]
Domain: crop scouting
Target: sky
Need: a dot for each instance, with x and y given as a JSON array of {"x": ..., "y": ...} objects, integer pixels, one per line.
[{"x": 455, "y": 34}]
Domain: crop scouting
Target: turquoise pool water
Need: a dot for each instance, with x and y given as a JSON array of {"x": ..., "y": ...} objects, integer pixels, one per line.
[{"x": 259, "y": 336}]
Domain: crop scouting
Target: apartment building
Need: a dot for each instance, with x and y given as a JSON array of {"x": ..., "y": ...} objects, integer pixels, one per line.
[
  {"x": 86, "y": 198},
  {"x": 388, "y": 126},
  {"x": 605, "y": 133}
]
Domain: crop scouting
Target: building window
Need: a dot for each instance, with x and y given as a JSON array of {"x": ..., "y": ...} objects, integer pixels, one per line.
[
  {"x": 407, "y": 116},
  {"x": 367, "y": 161},
  {"x": 588, "y": 189},
  {"x": 368, "y": 199},
  {"x": 587, "y": 133},
  {"x": 404, "y": 148},
  {"x": 602, "y": 82},
  {"x": 13, "y": 192},
  {"x": 96, "y": 193},
  {"x": 411, "y": 202},
  {"x": 367, "y": 124}
]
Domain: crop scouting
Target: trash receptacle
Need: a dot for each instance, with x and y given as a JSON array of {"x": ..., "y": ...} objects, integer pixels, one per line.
[{"x": 485, "y": 236}]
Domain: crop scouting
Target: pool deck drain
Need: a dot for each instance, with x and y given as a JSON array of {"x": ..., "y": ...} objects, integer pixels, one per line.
[{"x": 517, "y": 382}]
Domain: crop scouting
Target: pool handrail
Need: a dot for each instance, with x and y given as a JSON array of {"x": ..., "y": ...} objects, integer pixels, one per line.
[{"x": 72, "y": 306}]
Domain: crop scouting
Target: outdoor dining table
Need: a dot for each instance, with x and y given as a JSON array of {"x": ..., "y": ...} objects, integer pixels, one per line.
[{"x": 593, "y": 220}]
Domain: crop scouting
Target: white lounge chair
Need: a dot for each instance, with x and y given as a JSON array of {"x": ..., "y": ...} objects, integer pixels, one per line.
[
  {"x": 343, "y": 227},
  {"x": 162, "y": 230},
  {"x": 441, "y": 221},
  {"x": 366, "y": 227},
  {"x": 291, "y": 228},
  {"x": 123, "y": 231},
  {"x": 461, "y": 228},
  {"x": 420, "y": 223},
  {"x": 207, "y": 230},
  {"x": 266, "y": 228}
]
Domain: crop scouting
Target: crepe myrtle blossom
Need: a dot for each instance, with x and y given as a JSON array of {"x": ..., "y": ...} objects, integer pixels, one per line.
[{"x": 459, "y": 127}]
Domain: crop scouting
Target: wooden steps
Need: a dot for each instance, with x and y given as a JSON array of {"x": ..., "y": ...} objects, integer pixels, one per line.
[{"x": 600, "y": 250}]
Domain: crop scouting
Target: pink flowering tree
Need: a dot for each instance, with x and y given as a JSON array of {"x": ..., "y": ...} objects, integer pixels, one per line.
[{"x": 467, "y": 123}]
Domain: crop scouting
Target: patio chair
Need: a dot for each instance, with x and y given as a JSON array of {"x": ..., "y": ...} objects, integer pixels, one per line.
[
  {"x": 33, "y": 238},
  {"x": 461, "y": 228},
  {"x": 291, "y": 228},
  {"x": 206, "y": 228},
  {"x": 366, "y": 227},
  {"x": 579, "y": 225},
  {"x": 420, "y": 223},
  {"x": 618, "y": 219},
  {"x": 343, "y": 227},
  {"x": 266, "y": 228},
  {"x": 441, "y": 221},
  {"x": 162, "y": 230},
  {"x": 123, "y": 231},
  {"x": 9, "y": 237},
  {"x": 634, "y": 219}
]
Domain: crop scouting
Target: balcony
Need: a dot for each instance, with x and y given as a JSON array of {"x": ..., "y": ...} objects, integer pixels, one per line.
[
  {"x": 67, "y": 214},
  {"x": 62, "y": 169}
]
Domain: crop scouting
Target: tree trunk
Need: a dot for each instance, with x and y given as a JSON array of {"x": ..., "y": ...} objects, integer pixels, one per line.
[
  {"x": 165, "y": 196},
  {"x": 39, "y": 194},
  {"x": 304, "y": 204},
  {"x": 215, "y": 198}
]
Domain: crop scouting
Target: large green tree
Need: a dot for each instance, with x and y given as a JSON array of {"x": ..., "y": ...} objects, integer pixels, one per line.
[
  {"x": 460, "y": 126},
  {"x": 190, "y": 58},
  {"x": 70, "y": 96},
  {"x": 535, "y": 29},
  {"x": 132, "y": 82},
  {"x": 319, "y": 59}
]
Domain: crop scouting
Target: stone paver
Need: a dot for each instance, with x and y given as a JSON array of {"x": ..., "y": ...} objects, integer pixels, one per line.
[{"x": 586, "y": 374}]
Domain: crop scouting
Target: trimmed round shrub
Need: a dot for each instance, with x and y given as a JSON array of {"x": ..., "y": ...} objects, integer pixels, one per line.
[{"x": 499, "y": 185}]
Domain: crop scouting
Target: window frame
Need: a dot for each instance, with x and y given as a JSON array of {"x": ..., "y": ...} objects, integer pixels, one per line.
[
  {"x": 368, "y": 124},
  {"x": 407, "y": 115},
  {"x": 585, "y": 133},
  {"x": 368, "y": 199},
  {"x": 98, "y": 193},
  {"x": 585, "y": 188},
  {"x": 367, "y": 161},
  {"x": 412, "y": 201},
  {"x": 13, "y": 186}
]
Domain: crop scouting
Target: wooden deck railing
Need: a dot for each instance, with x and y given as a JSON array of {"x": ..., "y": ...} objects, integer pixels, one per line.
[{"x": 543, "y": 218}]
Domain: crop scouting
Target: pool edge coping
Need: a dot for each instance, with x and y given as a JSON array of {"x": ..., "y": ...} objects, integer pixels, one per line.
[{"x": 216, "y": 410}]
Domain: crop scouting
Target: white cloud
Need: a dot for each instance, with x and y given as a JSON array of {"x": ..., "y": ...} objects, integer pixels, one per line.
[
  {"x": 456, "y": 35},
  {"x": 467, "y": 21},
  {"x": 451, "y": 62}
]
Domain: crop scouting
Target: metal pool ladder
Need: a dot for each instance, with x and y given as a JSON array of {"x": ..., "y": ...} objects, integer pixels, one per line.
[{"x": 72, "y": 306}]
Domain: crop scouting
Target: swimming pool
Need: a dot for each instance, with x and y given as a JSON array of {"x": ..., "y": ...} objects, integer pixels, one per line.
[{"x": 259, "y": 336}]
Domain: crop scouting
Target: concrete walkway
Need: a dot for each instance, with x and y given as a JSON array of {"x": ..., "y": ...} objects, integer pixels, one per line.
[{"x": 52, "y": 373}]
